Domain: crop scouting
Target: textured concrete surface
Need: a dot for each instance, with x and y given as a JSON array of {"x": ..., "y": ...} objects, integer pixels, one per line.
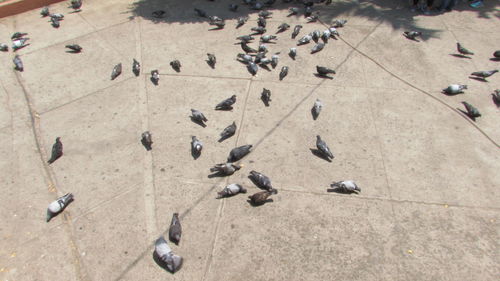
[{"x": 429, "y": 206}]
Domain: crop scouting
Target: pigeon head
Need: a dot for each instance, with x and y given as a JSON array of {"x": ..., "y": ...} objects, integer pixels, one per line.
[
  {"x": 318, "y": 137},
  {"x": 243, "y": 190}
]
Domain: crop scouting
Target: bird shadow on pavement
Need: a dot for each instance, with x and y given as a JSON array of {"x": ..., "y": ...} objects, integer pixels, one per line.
[
  {"x": 494, "y": 59},
  {"x": 323, "y": 76},
  {"x": 217, "y": 175},
  {"x": 478, "y": 79},
  {"x": 339, "y": 190},
  {"x": 319, "y": 154},
  {"x": 395, "y": 14},
  {"x": 224, "y": 138},
  {"x": 467, "y": 114},
  {"x": 460, "y": 56}
]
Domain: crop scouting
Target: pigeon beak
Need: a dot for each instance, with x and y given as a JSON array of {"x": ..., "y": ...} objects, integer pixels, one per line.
[{"x": 241, "y": 165}]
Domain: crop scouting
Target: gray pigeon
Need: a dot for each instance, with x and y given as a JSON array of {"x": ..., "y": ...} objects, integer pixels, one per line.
[
  {"x": 496, "y": 54},
  {"x": 252, "y": 68},
  {"x": 412, "y": 35},
  {"x": 293, "y": 11},
  {"x": 261, "y": 21},
  {"x": 265, "y": 14},
  {"x": 76, "y": 5},
  {"x": 296, "y": 31},
  {"x": 58, "y": 205},
  {"x": 176, "y": 65},
  {"x": 318, "y": 47},
  {"x": 172, "y": 262},
  {"x": 293, "y": 53},
  {"x": 226, "y": 104},
  {"x": 308, "y": 11},
  {"x": 19, "y": 43},
  {"x": 45, "y": 11},
  {"x": 218, "y": 23},
  {"x": 75, "y": 48},
  {"x": 117, "y": 70},
  {"x": 318, "y": 105},
  {"x": 258, "y": 30},
  {"x": 18, "y": 64},
  {"x": 261, "y": 180},
  {"x": 4, "y": 47},
  {"x": 267, "y": 38},
  {"x": 18, "y": 35},
  {"x": 472, "y": 112},
  {"x": 283, "y": 27},
  {"x": 324, "y": 71},
  {"x": 483, "y": 74},
  {"x": 283, "y": 72},
  {"x": 226, "y": 169},
  {"x": 463, "y": 50},
  {"x": 323, "y": 148},
  {"x": 245, "y": 38},
  {"x": 496, "y": 97},
  {"x": 197, "y": 116},
  {"x": 304, "y": 40},
  {"x": 260, "y": 198},
  {"x": 316, "y": 35},
  {"x": 57, "y": 151},
  {"x": 201, "y": 13},
  {"x": 339, "y": 23},
  {"x": 325, "y": 36},
  {"x": 228, "y": 132},
  {"x": 211, "y": 60},
  {"x": 238, "y": 153},
  {"x": 454, "y": 89},
  {"x": 265, "y": 96},
  {"x": 196, "y": 146},
  {"x": 347, "y": 186},
  {"x": 56, "y": 22},
  {"x": 147, "y": 140},
  {"x": 57, "y": 16},
  {"x": 333, "y": 32},
  {"x": 313, "y": 18},
  {"x": 244, "y": 58},
  {"x": 241, "y": 21},
  {"x": 233, "y": 7},
  {"x": 274, "y": 60},
  {"x": 247, "y": 49},
  {"x": 230, "y": 190},
  {"x": 175, "y": 230},
  {"x": 155, "y": 76},
  {"x": 136, "y": 67}
]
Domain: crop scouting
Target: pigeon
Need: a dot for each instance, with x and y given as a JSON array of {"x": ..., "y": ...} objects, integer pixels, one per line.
[
  {"x": 304, "y": 40},
  {"x": 76, "y": 5},
  {"x": 293, "y": 53},
  {"x": 233, "y": 7},
  {"x": 274, "y": 60},
  {"x": 175, "y": 230},
  {"x": 339, "y": 23},
  {"x": 196, "y": 146},
  {"x": 244, "y": 58},
  {"x": 312, "y": 19},
  {"x": 269, "y": 2},
  {"x": 315, "y": 35},
  {"x": 172, "y": 262},
  {"x": 267, "y": 38},
  {"x": 483, "y": 74},
  {"x": 318, "y": 47},
  {"x": 247, "y": 49},
  {"x": 323, "y": 148},
  {"x": 496, "y": 54},
  {"x": 463, "y": 50},
  {"x": 18, "y": 35},
  {"x": 316, "y": 109},
  {"x": 57, "y": 151},
  {"x": 57, "y": 16},
  {"x": 252, "y": 68},
  {"x": 265, "y": 96},
  {"x": 155, "y": 76},
  {"x": 307, "y": 3},
  {"x": 296, "y": 31},
  {"x": 218, "y": 23},
  {"x": 308, "y": 11},
  {"x": 261, "y": 180},
  {"x": 228, "y": 132},
  {"x": 283, "y": 72},
  {"x": 258, "y": 30},
  {"x": 454, "y": 89},
  {"x": 147, "y": 140},
  {"x": 257, "y": 6},
  {"x": 4, "y": 47},
  {"x": 261, "y": 21},
  {"x": 19, "y": 43},
  {"x": 45, "y": 12},
  {"x": 55, "y": 22},
  {"x": 283, "y": 27},
  {"x": 211, "y": 60},
  {"x": 412, "y": 35},
  {"x": 260, "y": 198},
  {"x": 347, "y": 186},
  {"x": 58, "y": 205},
  {"x": 324, "y": 71},
  {"x": 472, "y": 112},
  {"x": 201, "y": 13},
  {"x": 239, "y": 152},
  {"x": 75, "y": 48},
  {"x": 293, "y": 11},
  {"x": 197, "y": 116},
  {"x": 262, "y": 51},
  {"x": 159, "y": 14},
  {"x": 230, "y": 190},
  {"x": 117, "y": 70},
  {"x": 241, "y": 21},
  {"x": 265, "y": 14},
  {"x": 333, "y": 32},
  {"x": 226, "y": 169},
  {"x": 326, "y": 35},
  {"x": 18, "y": 64},
  {"x": 226, "y": 104},
  {"x": 245, "y": 38},
  {"x": 176, "y": 65},
  {"x": 136, "y": 67},
  {"x": 496, "y": 97}
]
